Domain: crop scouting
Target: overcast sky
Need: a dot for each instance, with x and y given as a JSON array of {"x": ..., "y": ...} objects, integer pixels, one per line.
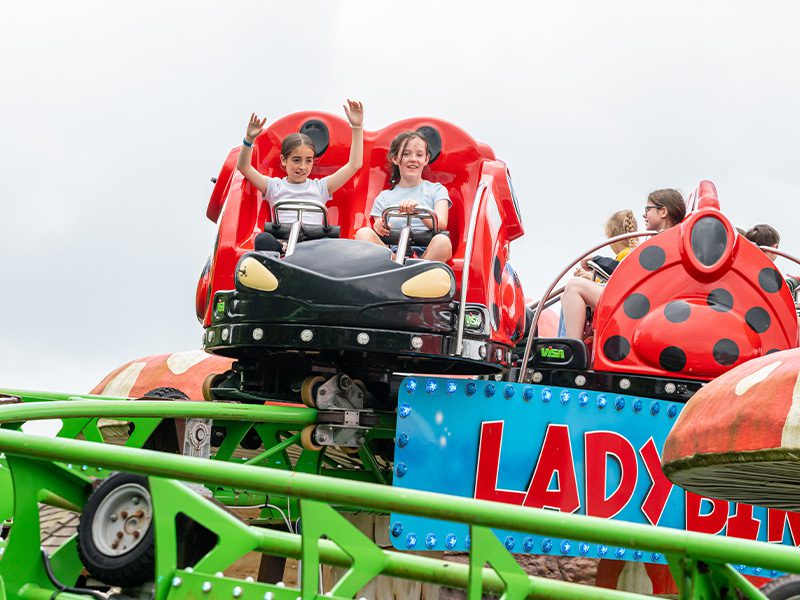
[{"x": 115, "y": 115}]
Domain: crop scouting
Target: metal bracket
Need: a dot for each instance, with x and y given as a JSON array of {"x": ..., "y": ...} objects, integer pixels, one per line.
[
  {"x": 332, "y": 435},
  {"x": 340, "y": 393},
  {"x": 197, "y": 438}
]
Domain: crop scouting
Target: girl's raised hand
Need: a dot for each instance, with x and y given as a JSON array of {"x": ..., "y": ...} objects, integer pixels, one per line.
[
  {"x": 255, "y": 127},
  {"x": 355, "y": 113}
]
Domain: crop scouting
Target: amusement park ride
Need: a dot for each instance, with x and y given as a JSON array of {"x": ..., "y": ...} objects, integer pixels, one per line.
[{"x": 340, "y": 378}]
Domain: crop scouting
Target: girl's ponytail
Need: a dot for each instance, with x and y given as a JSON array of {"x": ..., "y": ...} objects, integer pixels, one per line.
[{"x": 629, "y": 225}]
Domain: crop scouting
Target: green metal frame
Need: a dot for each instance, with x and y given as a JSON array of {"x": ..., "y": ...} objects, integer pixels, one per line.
[
  {"x": 278, "y": 426},
  {"x": 60, "y": 472}
]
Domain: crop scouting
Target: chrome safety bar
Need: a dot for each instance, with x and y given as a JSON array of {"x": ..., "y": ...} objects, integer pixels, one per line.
[
  {"x": 462, "y": 305},
  {"x": 541, "y": 304},
  {"x": 299, "y": 207},
  {"x": 780, "y": 253},
  {"x": 405, "y": 232},
  {"x": 552, "y": 298}
]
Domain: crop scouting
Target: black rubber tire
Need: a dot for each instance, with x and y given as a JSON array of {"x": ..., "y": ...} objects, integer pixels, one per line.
[
  {"x": 165, "y": 438},
  {"x": 166, "y": 392},
  {"x": 785, "y": 587},
  {"x": 133, "y": 568}
]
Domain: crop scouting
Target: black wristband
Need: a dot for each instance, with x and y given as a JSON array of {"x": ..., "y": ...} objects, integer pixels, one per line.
[{"x": 246, "y": 143}]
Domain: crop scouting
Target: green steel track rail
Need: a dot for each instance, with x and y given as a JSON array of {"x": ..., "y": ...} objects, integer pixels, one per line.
[{"x": 699, "y": 563}]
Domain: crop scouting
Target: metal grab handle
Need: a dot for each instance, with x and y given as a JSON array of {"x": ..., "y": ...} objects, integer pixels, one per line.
[
  {"x": 462, "y": 304},
  {"x": 300, "y": 207},
  {"x": 551, "y": 299},
  {"x": 780, "y": 253},
  {"x": 540, "y": 306},
  {"x": 394, "y": 211}
]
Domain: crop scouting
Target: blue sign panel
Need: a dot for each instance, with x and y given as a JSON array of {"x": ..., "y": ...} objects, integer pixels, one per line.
[{"x": 565, "y": 449}]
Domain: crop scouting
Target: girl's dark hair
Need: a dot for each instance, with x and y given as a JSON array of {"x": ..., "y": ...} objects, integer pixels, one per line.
[
  {"x": 672, "y": 201},
  {"x": 396, "y": 151},
  {"x": 295, "y": 140}
]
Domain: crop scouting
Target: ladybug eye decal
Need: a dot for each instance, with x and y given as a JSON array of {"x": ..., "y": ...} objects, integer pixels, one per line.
[{"x": 709, "y": 240}]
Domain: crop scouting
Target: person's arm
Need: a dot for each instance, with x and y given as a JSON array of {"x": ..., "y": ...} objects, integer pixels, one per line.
[
  {"x": 442, "y": 209},
  {"x": 245, "y": 162},
  {"x": 355, "y": 114},
  {"x": 378, "y": 223}
]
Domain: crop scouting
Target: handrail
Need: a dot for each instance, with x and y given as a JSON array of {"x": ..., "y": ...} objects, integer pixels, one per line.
[
  {"x": 405, "y": 232},
  {"x": 553, "y": 296},
  {"x": 462, "y": 305},
  {"x": 540, "y": 306},
  {"x": 780, "y": 253},
  {"x": 300, "y": 206},
  {"x": 394, "y": 211}
]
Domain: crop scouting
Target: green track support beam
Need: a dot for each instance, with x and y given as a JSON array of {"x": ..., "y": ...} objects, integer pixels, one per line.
[{"x": 41, "y": 470}]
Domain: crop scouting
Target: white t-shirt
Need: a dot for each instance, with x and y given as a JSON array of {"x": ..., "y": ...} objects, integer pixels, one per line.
[
  {"x": 427, "y": 194},
  {"x": 310, "y": 189}
]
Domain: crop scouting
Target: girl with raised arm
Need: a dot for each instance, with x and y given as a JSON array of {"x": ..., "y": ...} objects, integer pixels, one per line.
[{"x": 297, "y": 159}]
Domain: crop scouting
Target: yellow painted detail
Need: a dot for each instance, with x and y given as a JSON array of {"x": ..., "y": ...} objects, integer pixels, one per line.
[
  {"x": 253, "y": 274},
  {"x": 433, "y": 283}
]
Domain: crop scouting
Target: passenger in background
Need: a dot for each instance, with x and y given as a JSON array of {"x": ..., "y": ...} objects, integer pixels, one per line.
[
  {"x": 619, "y": 223},
  {"x": 664, "y": 209},
  {"x": 622, "y": 221},
  {"x": 408, "y": 157},
  {"x": 766, "y": 235}
]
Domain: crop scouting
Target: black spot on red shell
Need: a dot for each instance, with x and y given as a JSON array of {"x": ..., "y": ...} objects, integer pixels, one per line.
[
  {"x": 672, "y": 359},
  {"x": 616, "y": 348},
  {"x": 773, "y": 351},
  {"x": 636, "y": 306},
  {"x": 652, "y": 258},
  {"x": 497, "y": 270},
  {"x": 758, "y": 319},
  {"x": 495, "y": 316},
  {"x": 726, "y": 352},
  {"x": 720, "y": 300},
  {"x": 770, "y": 280},
  {"x": 677, "y": 311}
]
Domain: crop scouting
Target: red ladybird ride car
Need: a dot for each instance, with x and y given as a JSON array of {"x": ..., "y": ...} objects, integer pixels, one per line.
[
  {"x": 335, "y": 309},
  {"x": 684, "y": 307}
]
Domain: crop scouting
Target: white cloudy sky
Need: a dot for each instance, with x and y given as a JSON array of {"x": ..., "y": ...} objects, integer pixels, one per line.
[{"x": 115, "y": 115}]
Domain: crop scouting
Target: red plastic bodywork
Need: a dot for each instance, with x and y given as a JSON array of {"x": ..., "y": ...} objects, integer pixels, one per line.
[
  {"x": 461, "y": 166},
  {"x": 683, "y": 278}
]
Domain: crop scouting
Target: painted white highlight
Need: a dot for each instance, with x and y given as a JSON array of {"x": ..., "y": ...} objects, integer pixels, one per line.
[
  {"x": 439, "y": 417},
  {"x": 122, "y": 384},
  {"x": 790, "y": 436},
  {"x": 180, "y": 362},
  {"x": 443, "y": 441},
  {"x": 745, "y": 383}
]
